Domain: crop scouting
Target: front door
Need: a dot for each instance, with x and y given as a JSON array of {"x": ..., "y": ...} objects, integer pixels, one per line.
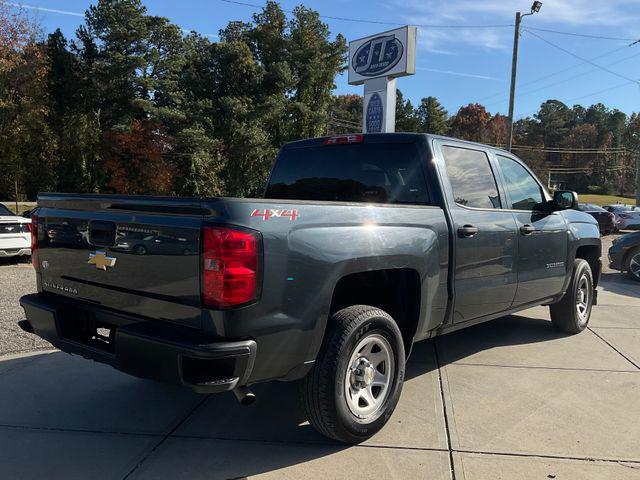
[
  {"x": 542, "y": 237},
  {"x": 485, "y": 235}
]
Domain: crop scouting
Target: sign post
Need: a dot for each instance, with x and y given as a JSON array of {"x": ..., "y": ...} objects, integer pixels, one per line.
[{"x": 376, "y": 62}]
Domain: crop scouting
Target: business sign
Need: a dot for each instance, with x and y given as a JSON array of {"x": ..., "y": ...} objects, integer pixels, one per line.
[
  {"x": 389, "y": 54},
  {"x": 373, "y": 116}
]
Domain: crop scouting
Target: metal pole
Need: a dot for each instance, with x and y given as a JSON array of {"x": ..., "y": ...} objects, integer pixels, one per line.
[
  {"x": 16, "y": 185},
  {"x": 637, "y": 179},
  {"x": 514, "y": 66}
]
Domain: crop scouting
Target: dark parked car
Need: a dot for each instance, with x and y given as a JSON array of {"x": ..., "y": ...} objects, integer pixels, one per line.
[
  {"x": 363, "y": 245},
  {"x": 627, "y": 216},
  {"x": 624, "y": 254},
  {"x": 606, "y": 220}
]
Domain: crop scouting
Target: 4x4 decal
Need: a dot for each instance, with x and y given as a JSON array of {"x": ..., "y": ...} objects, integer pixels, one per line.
[{"x": 268, "y": 213}]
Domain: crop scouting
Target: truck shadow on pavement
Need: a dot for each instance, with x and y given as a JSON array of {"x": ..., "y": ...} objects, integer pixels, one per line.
[{"x": 181, "y": 434}]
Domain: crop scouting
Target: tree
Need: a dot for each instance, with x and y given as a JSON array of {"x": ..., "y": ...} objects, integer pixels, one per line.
[
  {"x": 470, "y": 122},
  {"x": 135, "y": 161},
  {"x": 314, "y": 61},
  {"x": 496, "y": 131},
  {"x": 554, "y": 119},
  {"x": 407, "y": 119},
  {"x": 432, "y": 116},
  {"x": 27, "y": 145},
  {"x": 345, "y": 114}
]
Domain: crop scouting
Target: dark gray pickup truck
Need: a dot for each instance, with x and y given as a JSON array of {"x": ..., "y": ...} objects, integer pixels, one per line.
[{"x": 363, "y": 245}]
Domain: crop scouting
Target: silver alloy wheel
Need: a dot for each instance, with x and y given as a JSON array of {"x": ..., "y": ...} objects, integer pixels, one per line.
[
  {"x": 634, "y": 265},
  {"x": 583, "y": 298},
  {"x": 369, "y": 376}
]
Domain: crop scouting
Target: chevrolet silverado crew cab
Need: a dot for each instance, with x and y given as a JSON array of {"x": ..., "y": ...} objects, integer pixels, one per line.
[{"x": 361, "y": 246}]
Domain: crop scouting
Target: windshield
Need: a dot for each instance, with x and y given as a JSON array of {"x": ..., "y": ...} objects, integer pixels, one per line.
[
  {"x": 5, "y": 211},
  {"x": 379, "y": 173}
]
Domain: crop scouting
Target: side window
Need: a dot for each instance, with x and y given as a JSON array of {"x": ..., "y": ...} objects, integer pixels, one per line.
[
  {"x": 524, "y": 191},
  {"x": 471, "y": 178}
]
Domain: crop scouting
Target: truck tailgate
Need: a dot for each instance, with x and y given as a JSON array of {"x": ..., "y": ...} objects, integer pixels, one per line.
[{"x": 138, "y": 255}]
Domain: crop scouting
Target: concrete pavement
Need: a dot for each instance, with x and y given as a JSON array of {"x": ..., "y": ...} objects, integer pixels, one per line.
[{"x": 510, "y": 399}]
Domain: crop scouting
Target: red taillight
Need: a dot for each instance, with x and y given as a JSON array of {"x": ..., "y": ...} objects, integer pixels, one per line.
[
  {"x": 230, "y": 266},
  {"x": 344, "y": 139},
  {"x": 33, "y": 227}
]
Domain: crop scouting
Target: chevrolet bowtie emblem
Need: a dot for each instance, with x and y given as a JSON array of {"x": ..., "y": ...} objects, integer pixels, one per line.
[{"x": 100, "y": 260}]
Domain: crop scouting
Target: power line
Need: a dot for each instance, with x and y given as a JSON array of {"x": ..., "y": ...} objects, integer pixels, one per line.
[
  {"x": 376, "y": 22},
  {"x": 396, "y": 24},
  {"x": 549, "y": 85},
  {"x": 581, "y": 58},
  {"x": 544, "y": 77},
  {"x": 585, "y": 35}
]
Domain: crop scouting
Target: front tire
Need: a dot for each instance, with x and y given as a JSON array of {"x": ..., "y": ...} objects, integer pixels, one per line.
[
  {"x": 356, "y": 382},
  {"x": 572, "y": 313}
]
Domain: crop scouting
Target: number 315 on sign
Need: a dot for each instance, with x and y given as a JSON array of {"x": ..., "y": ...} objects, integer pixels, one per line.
[{"x": 270, "y": 213}]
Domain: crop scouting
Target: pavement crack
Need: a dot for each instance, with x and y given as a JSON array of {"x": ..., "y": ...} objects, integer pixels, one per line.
[
  {"x": 444, "y": 410},
  {"x": 165, "y": 437},
  {"x": 614, "y": 348},
  {"x": 630, "y": 463}
]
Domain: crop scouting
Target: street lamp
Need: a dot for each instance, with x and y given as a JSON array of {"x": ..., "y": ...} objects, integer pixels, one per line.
[{"x": 535, "y": 8}]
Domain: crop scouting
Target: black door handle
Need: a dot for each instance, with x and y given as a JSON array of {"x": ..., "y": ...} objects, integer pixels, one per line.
[
  {"x": 527, "y": 229},
  {"x": 467, "y": 231}
]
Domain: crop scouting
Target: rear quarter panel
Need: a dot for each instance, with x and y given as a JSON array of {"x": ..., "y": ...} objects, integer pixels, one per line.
[{"x": 304, "y": 259}]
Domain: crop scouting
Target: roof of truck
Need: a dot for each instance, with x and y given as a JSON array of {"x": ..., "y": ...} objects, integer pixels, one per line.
[{"x": 396, "y": 137}]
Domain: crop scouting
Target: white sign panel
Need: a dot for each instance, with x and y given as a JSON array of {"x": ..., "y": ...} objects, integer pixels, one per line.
[
  {"x": 379, "y": 114},
  {"x": 389, "y": 54}
]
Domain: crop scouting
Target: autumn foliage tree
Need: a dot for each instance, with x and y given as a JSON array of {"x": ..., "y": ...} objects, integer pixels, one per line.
[
  {"x": 135, "y": 163},
  {"x": 24, "y": 129}
]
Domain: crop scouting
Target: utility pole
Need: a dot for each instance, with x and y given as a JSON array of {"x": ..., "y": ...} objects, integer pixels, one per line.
[
  {"x": 535, "y": 8},
  {"x": 637, "y": 179},
  {"x": 514, "y": 68}
]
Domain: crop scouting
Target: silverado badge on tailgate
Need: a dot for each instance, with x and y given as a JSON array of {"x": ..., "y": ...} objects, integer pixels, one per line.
[{"x": 100, "y": 260}]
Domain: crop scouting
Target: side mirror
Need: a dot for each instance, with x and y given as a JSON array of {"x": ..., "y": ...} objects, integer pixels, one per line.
[{"x": 565, "y": 199}]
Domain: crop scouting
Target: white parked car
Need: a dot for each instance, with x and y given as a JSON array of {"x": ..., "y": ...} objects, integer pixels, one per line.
[
  {"x": 15, "y": 237},
  {"x": 627, "y": 217}
]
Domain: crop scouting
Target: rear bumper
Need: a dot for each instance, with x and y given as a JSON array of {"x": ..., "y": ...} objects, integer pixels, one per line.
[{"x": 166, "y": 353}]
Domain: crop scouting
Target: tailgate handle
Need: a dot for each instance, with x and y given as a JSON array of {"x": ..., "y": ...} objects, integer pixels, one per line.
[{"x": 102, "y": 233}]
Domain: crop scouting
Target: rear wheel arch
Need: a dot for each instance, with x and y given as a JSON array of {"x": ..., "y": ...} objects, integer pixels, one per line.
[{"x": 396, "y": 291}]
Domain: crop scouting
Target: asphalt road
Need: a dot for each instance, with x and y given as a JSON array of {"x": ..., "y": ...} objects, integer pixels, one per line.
[{"x": 510, "y": 399}]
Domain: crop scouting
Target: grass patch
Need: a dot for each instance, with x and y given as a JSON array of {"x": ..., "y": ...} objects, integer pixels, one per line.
[
  {"x": 605, "y": 199},
  {"x": 22, "y": 206}
]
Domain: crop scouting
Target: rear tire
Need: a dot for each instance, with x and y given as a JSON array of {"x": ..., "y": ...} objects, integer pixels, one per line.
[
  {"x": 572, "y": 313},
  {"x": 356, "y": 382},
  {"x": 632, "y": 264}
]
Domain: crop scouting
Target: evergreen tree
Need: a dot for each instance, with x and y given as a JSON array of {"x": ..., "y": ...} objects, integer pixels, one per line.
[{"x": 433, "y": 116}]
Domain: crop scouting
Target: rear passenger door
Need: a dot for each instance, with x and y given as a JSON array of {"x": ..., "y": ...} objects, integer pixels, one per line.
[
  {"x": 542, "y": 237},
  {"x": 484, "y": 234}
]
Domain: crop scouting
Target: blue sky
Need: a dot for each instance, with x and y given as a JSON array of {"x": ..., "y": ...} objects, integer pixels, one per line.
[{"x": 459, "y": 66}]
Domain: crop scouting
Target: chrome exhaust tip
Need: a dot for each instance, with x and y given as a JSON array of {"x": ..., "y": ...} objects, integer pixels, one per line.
[{"x": 244, "y": 395}]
